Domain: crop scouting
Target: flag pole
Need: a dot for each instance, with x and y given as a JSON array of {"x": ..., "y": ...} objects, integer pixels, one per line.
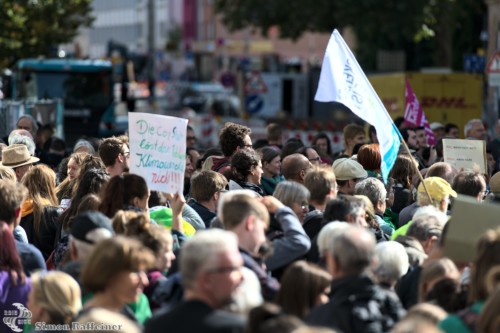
[{"x": 418, "y": 171}]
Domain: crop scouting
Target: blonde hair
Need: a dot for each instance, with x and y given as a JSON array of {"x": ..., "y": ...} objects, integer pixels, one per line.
[
  {"x": 65, "y": 188},
  {"x": 7, "y": 173},
  {"x": 112, "y": 256},
  {"x": 40, "y": 181},
  {"x": 58, "y": 293}
]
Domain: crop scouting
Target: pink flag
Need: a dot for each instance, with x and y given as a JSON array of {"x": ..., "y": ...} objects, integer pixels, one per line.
[{"x": 414, "y": 115}]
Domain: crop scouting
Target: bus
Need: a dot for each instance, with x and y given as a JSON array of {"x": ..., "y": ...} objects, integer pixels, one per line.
[{"x": 84, "y": 86}]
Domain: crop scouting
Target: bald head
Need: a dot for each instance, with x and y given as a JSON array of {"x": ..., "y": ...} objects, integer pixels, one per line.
[{"x": 294, "y": 167}]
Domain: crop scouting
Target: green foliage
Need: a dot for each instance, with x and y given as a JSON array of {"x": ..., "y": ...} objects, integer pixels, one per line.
[
  {"x": 415, "y": 25},
  {"x": 31, "y": 28}
]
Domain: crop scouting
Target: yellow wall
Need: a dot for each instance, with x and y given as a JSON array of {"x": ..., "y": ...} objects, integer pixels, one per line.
[{"x": 446, "y": 98}]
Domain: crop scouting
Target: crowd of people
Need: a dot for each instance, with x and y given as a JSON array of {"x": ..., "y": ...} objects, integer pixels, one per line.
[{"x": 268, "y": 236}]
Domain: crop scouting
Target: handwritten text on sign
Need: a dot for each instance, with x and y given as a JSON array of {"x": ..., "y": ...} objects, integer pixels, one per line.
[
  {"x": 158, "y": 150},
  {"x": 465, "y": 154}
]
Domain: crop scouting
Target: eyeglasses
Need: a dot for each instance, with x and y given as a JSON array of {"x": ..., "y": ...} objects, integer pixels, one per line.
[
  {"x": 304, "y": 206},
  {"x": 315, "y": 159},
  {"x": 224, "y": 270}
]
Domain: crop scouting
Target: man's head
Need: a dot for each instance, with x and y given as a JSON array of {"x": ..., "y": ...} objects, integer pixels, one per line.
[
  {"x": 374, "y": 190},
  {"x": 274, "y": 134},
  {"x": 452, "y": 131},
  {"x": 190, "y": 137},
  {"x": 475, "y": 129},
  {"x": 410, "y": 137},
  {"x": 427, "y": 226},
  {"x": 115, "y": 153},
  {"x": 211, "y": 265},
  {"x": 470, "y": 183},
  {"x": 22, "y": 137},
  {"x": 84, "y": 146},
  {"x": 248, "y": 218},
  {"x": 439, "y": 191},
  {"x": 233, "y": 137},
  {"x": 351, "y": 253},
  {"x": 443, "y": 170},
  {"x": 322, "y": 184},
  {"x": 88, "y": 228},
  {"x": 295, "y": 167},
  {"x": 421, "y": 137},
  {"x": 346, "y": 208},
  {"x": 18, "y": 158},
  {"x": 207, "y": 185},
  {"x": 348, "y": 172},
  {"x": 311, "y": 154},
  {"x": 438, "y": 129},
  {"x": 353, "y": 134},
  {"x": 12, "y": 195},
  {"x": 28, "y": 123}
]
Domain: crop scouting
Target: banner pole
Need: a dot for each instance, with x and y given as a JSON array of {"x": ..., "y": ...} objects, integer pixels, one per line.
[{"x": 418, "y": 171}]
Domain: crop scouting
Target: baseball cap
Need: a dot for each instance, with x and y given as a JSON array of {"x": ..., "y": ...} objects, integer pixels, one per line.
[
  {"x": 91, "y": 227},
  {"x": 436, "y": 125},
  {"x": 346, "y": 168},
  {"x": 438, "y": 188}
]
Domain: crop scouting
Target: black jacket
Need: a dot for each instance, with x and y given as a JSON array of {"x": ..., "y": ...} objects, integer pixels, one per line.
[
  {"x": 45, "y": 238},
  {"x": 357, "y": 304}
]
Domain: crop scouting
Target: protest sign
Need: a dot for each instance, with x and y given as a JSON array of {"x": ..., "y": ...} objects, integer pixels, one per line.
[
  {"x": 158, "y": 150},
  {"x": 465, "y": 154},
  {"x": 470, "y": 220}
]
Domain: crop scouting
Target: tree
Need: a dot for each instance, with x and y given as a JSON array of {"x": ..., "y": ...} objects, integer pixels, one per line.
[
  {"x": 435, "y": 26},
  {"x": 32, "y": 28}
]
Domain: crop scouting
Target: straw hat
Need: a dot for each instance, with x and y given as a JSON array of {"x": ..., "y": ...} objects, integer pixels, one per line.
[{"x": 17, "y": 155}]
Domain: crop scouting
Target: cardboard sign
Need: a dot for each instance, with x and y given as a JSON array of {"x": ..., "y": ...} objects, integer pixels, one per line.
[
  {"x": 465, "y": 154},
  {"x": 158, "y": 150},
  {"x": 469, "y": 221}
]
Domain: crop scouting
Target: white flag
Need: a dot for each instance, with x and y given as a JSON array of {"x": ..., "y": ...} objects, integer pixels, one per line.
[{"x": 342, "y": 80}]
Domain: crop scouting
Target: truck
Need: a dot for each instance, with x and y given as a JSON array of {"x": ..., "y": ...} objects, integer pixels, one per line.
[
  {"x": 444, "y": 97},
  {"x": 84, "y": 86}
]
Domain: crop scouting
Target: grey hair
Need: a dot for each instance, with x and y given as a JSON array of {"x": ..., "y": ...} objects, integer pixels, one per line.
[
  {"x": 248, "y": 295},
  {"x": 427, "y": 222},
  {"x": 392, "y": 262},
  {"x": 327, "y": 235},
  {"x": 289, "y": 192},
  {"x": 201, "y": 252},
  {"x": 353, "y": 249},
  {"x": 34, "y": 125},
  {"x": 23, "y": 140},
  {"x": 469, "y": 125},
  {"x": 373, "y": 189}
]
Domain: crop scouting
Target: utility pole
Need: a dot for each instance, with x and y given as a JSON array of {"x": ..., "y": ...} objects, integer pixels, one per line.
[{"x": 151, "y": 51}]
